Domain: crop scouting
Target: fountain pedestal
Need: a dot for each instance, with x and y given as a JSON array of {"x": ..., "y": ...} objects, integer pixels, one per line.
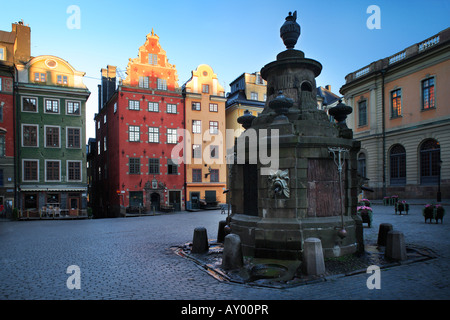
[{"x": 275, "y": 209}]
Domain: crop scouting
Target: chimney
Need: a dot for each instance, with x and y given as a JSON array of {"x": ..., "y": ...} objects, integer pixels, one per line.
[
  {"x": 328, "y": 87},
  {"x": 22, "y": 44},
  {"x": 108, "y": 84}
]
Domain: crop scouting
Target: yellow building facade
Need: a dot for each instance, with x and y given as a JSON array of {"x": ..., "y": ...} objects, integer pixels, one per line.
[
  {"x": 247, "y": 93},
  {"x": 205, "y": 147}
]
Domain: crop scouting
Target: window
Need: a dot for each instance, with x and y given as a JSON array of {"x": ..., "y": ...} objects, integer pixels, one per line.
[
  {"x": 362, "y": 113},
  {"x": 134, "y": 166},
  {"x": 29, "y": 104},
  {"x": 214, "y": 151},
  {"x": 197, "y": 151},
  {"x": 60, "y": 79},
  {"x": 74, "y": 171},
  {"x": 172, "y": 136},
  {"x": 430, "y": 156},
  {"x": 214, "y": 175},
  {"x": 73, "y": 138},
  {"x": 52, "y": 170},
  {"x": 213, "y": 127},
  {"x": 2, "y": 145},
  {"x": 153, "y": 134},
  {"x": 51, "y": 137},
  {"x": 0, "y": 84},
  {"x": 30, "y": 170},
  {"x": 73, "y": 108},
  {"x": 51, "y": 106},
  {"x": 143, "y": 82},
  {"x": 397, "y": 158},
  {"x": 196, "y": 106},
  {"x": 254, "y": 95},
  {"x": 104, "y": 144},
  {"x": 153, "y": 166},
  {"x": 115, "y": 107},
  {"x": 196, "y": 175},
  {"x": 133, "y": 133},
  {"x": 213, "y": 107},
  {"x": 196, "y": 126},
  {"x": 104, "y": 118},
  {"x": 98, "y": 147},
  {"x": 133, "y": 104},
  {"x": 362, "y": 165},
  {"x": 428, "y": 94},
  {"x": 205, "y": 88},
  {"x": 162, "y": 84},
  {"x": 259, "y": 79},
  {"x": 29, "y": 135},
  {"x": 154, "y": 107},
  {"x": 172, "y": 166},
  {"x": 396, "y": 103},
  {"x": 2, "y": 54},
  {"x": 152, "y": 59},
  {"x": 171, "y": 108},
  {"x": 39, "y": 77}
]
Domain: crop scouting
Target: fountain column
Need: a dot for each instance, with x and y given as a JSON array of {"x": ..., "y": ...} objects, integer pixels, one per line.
[{"x": 276, "y": 209}]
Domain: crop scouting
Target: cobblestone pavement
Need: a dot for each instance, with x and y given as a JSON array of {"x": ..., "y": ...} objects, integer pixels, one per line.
[{"x": 131, "y": 258}]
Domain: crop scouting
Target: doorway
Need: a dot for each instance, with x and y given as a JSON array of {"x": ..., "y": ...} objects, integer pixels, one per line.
[
  {"x": 175, "y": 199},
  {"x": 155, "y": 200},
  {"x": 195, "y": 200}
]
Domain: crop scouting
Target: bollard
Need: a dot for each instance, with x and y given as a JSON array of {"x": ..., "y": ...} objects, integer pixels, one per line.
[
  {"x": 382, "y": 233},
  {"x": 313, "y": 261},
  {"x": 395, "y": 246},
  {"x": 221, "y": 231},
  {"x": 200, "y": 241},
  {"x": 359, "y": 232},
  {"x": 232, "y": 257}
]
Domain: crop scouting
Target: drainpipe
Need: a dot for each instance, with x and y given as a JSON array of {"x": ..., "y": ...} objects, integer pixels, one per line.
[{"x": 383, "y": 125}]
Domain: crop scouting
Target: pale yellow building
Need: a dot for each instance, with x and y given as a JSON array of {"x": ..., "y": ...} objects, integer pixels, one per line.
[{"x": 247, "y": 92}]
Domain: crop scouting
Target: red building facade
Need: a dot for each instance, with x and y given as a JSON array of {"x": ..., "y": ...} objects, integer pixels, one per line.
[{"x": 136, "y": 130}]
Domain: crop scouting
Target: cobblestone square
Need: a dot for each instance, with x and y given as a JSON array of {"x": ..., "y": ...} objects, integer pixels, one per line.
[{"x": 132, "y": 259}]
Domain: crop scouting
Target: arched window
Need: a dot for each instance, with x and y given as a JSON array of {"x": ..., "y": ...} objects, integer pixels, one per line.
[
  {"x": 397, "y": 162},
  {"x": 362, "y": 165},
  {"x": 430, "y": 154}
]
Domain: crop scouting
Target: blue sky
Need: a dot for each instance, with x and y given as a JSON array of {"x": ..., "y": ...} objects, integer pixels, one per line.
[{"x": 233, "y": 37}]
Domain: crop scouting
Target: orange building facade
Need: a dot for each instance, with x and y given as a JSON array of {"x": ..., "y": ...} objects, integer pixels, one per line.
[
  {"x": 205, "y": 122},
  {"x": 401, "y": 115}
]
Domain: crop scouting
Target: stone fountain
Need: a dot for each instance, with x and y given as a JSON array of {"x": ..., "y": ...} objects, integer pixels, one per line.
[{"x": 308, "y": 194}]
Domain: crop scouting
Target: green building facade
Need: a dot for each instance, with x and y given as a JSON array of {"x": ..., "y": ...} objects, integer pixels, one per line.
[{"x": 51, "y": 139}]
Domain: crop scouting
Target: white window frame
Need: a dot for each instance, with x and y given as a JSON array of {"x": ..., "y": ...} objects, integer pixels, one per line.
[
  {"x": 59, "y": 137},
  {"x": 171, "y": 108},
  {"x": 130, "y": 135},
  {"x": 67, "y": 108},
  {"x": 45, "y": 170},
  {"x": 67, "y": 137},
  {"x": 23, "y": 170},
  {"x": 153, "y": 134},
  {"x": 172, "y": 136},
  {"x": 51, "y": 112},
  {"x": 134, "y": 105},
  {"x": 153, "y": 106},
  {"x": 37, "y": 132},
  {"x": 28, "y": 97},
  {"x": 67, "y": 171}
]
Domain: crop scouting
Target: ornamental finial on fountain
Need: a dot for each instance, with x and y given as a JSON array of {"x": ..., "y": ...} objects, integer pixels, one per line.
[{"x": 290, "y": 31}]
